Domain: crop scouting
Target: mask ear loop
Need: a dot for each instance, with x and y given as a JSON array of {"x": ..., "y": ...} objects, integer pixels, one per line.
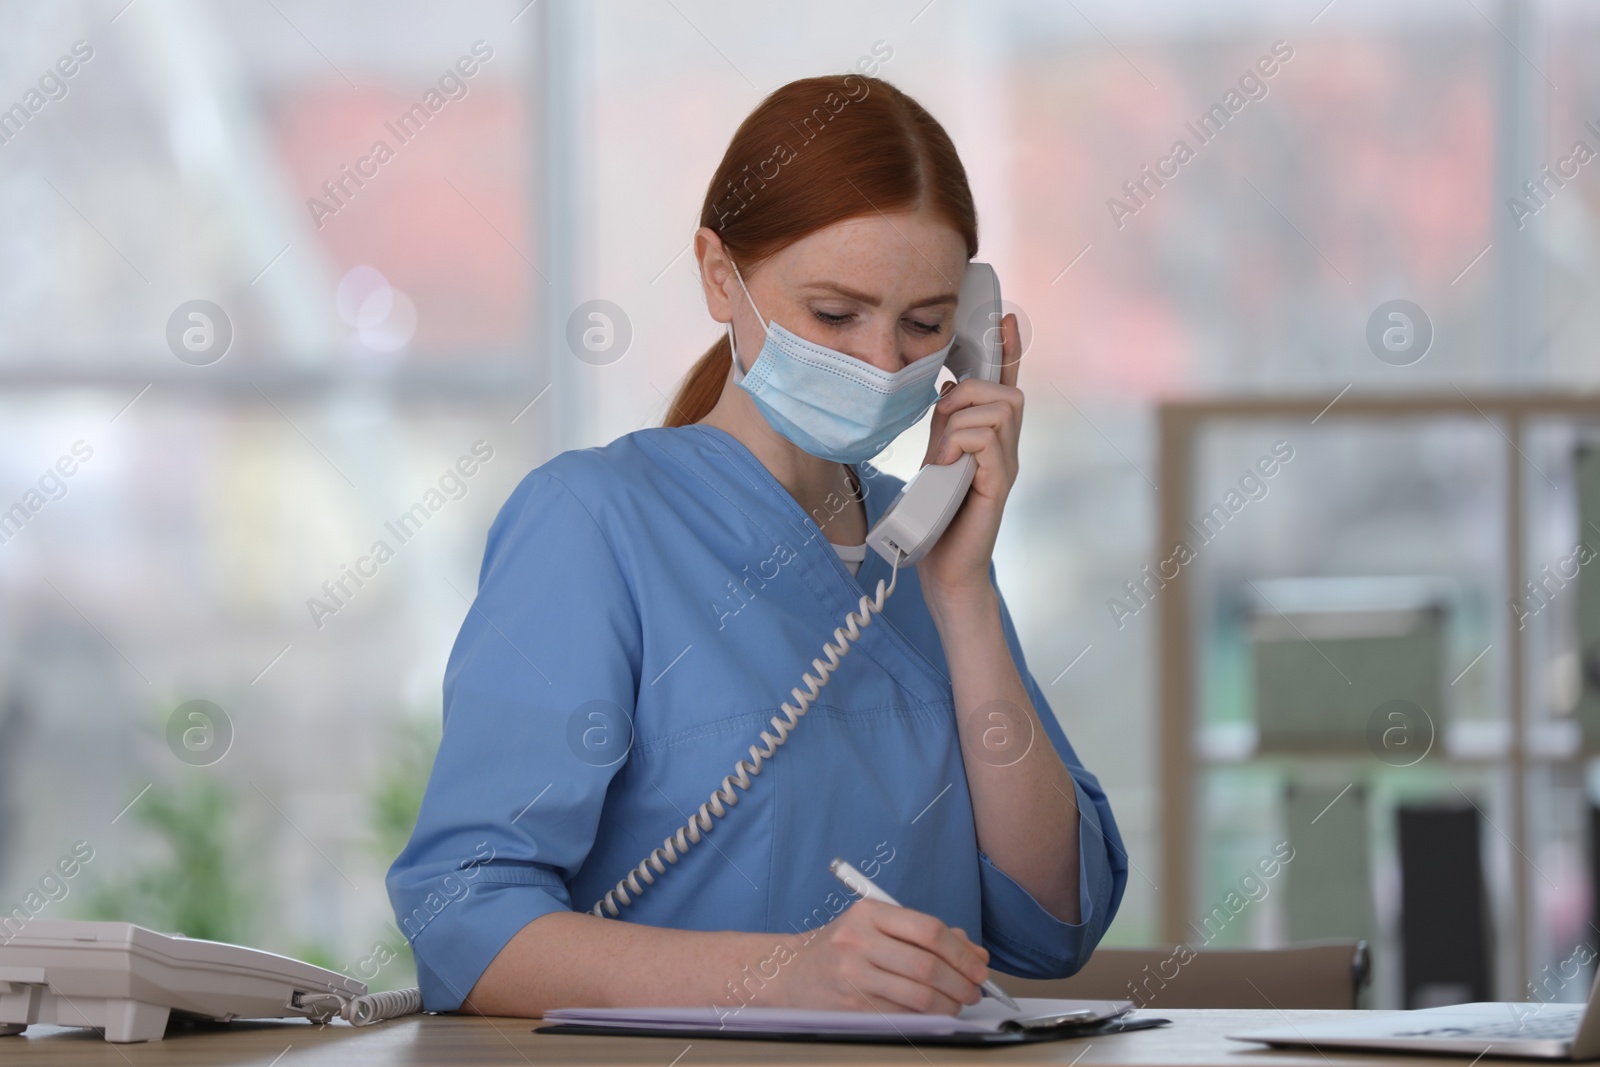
[{"x": 738, "y": 371}]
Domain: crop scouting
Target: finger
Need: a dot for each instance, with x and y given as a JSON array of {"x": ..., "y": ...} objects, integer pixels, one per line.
[
  {"x": 974, "y": 439},
  {"x": 981, "y": 950},
  {"x": 922, "y": 967},
  {"x": 977, "y": 391},
  {"x": 941, "y": 415},
  {"x": 1000, "y": 415},
  {"x": 926, "y": 931},
  {"x": 1010, "y": 350},
  {"x": 990, "y": 418},
  {"x": 899, "y": 993},
  {"x": 975, "y": 394}
]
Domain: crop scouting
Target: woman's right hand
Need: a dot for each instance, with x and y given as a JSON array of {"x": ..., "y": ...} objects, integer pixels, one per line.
[{"x": 883, "y": 957}]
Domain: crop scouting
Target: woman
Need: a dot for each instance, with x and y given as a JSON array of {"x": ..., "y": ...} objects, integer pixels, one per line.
[{"x": 645, "y": 608}]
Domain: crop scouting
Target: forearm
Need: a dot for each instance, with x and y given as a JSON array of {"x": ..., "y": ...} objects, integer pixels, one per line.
[
  {"x": 1022, "y": 794},
  {"x": 567, "y": 959}
]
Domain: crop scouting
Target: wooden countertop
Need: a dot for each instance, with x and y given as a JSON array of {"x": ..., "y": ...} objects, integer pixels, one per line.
[{"x": 1195, "y": 1038}]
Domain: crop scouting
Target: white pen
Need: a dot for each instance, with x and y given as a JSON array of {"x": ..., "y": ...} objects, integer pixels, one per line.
[{"x": 862, "y": 886}]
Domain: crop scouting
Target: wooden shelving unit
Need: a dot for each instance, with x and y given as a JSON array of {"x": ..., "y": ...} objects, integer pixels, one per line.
[{"x": 1181, "y": 752}]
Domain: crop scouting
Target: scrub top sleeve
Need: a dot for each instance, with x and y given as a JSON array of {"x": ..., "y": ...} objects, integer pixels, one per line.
[
  {"x": 1022, "y": 937},
  {"x": 538, "y": 704}
]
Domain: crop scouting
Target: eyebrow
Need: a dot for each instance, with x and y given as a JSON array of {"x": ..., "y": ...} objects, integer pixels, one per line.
[{"x": 873, "y": 301}]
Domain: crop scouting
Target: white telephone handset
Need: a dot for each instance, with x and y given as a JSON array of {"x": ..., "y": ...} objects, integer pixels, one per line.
[
  {"x": 904, "y": 533},
  {"x": 919, "y": 514}
]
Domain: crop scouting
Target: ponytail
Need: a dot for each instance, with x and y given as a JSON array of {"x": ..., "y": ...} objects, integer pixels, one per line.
[{"x": 702, "y": 387}]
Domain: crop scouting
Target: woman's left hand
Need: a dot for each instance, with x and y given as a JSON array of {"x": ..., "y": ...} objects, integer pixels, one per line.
[{"x": 985, "y": 419}]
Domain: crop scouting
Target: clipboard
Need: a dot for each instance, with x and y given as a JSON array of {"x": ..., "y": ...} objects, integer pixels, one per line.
[{"x": 989, "y": 1026}]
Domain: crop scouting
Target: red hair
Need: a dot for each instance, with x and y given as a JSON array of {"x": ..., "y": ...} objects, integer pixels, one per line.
[{"x": 816, "y": 152}]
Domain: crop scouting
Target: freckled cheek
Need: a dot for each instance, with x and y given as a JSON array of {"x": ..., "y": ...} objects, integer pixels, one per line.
[{"x": 926, "y": 345}]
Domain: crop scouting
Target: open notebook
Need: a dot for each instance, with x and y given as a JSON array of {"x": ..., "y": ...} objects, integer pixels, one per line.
[{"x": 987, "y": 1022}]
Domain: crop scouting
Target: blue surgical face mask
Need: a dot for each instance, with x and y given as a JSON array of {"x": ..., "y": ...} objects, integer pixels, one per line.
[{"x": 830, "y": 403}]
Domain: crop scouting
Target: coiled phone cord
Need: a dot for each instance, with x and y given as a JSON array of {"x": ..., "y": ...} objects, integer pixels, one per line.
[
  {"x": 375, "y": 1007},
  {"x": 363, "y": 1010},
  {"x": 724, "y": 797}
]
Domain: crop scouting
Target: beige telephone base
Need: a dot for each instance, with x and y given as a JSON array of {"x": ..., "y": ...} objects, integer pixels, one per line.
[{"x": 127, "y": 981}]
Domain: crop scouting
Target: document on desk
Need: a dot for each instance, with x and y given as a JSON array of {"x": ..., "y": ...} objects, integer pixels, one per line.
[{"x": 988, "y": 1021}]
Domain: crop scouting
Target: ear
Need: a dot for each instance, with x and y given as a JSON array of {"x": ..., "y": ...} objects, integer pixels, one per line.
[{"x": 716, "y": 274}]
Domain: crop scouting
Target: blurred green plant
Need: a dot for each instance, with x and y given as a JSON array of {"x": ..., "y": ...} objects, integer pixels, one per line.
[
  {"x": 393, "y": 800},
  {"x": 200, "y": 888},
  {"x": 395, "y": 795}
]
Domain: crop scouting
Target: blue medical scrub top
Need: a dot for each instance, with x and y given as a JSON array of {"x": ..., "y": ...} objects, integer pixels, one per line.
[{"x": 642, "y": 611}]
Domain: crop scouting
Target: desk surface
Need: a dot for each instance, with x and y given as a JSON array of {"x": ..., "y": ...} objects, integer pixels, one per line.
[{"x": 1194, "y": 1038}]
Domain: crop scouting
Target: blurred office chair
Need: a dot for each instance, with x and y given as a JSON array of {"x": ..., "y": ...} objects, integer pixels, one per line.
[{"x": 1317, "y": 974}]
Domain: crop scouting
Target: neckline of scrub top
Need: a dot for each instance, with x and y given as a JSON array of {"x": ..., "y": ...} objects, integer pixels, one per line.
[
  {"x": 853, "y": 555},
  {"x": 871, "y": 501},
  {"x": 873, "y": 567}
]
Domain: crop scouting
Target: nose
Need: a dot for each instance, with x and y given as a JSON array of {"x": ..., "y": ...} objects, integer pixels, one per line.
[{"x": 884, "y": 348}]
